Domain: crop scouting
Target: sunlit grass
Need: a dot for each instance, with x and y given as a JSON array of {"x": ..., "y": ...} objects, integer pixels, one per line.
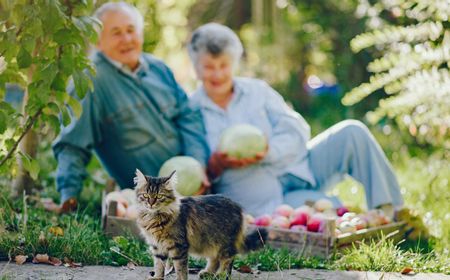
[{"x": 424, "y": 182}]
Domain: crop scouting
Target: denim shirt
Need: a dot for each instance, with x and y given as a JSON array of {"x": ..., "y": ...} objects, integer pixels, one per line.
[
  {"x": 129, "y": 121},
  {"x": 257, "y": 187}
]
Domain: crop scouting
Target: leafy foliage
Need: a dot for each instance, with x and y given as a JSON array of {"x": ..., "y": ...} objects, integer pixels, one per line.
[
  {"x": 43, "y": 45},
  {"x": 413, "y": 38}
]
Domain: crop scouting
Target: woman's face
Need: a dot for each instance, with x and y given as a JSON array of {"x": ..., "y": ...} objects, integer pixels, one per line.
[{"x": 216, "y": 73}]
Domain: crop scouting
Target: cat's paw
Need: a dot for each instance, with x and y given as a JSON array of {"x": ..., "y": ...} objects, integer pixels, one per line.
[
  {"x": 204, "y": 274},
  {"x": 153, "y": 276}
]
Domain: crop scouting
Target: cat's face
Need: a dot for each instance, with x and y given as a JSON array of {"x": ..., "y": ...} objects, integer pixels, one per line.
[{"x": 155, "y": 192}]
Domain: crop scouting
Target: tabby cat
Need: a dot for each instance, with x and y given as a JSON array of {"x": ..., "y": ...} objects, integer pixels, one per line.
[{"x": 209, "y": 226}]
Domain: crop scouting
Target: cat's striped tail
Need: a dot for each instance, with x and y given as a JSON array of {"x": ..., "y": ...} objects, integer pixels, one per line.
[{"x": 254, "y": 240}]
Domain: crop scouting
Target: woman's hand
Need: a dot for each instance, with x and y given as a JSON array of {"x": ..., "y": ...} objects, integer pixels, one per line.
[{"x": 220, "y": 161}]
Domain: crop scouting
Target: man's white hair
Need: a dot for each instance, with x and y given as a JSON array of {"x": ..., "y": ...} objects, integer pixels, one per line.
[
  {"x": 214, "y": 39},
  {"x": 120, "y": 7}
]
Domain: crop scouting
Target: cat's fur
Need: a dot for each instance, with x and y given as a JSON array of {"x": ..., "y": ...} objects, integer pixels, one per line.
[{"x": 209, "y": 226}]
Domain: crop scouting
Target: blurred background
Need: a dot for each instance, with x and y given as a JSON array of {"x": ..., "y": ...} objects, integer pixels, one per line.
[{"x": 382, "y": 62}]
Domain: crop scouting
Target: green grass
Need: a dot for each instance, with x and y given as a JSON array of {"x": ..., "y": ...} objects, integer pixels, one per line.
[
  {"x": 424, "y": 182},
  {"x": 385, "y": 255}
]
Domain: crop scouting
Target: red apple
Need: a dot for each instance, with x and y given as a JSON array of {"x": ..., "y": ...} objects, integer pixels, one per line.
[
  {"x": 299, "y": 218},
  {"x": 284, "y": 210},
  {"x": 315, "y": 224},
  {"x": 341, "y": 211},
  {"x": 280, "y": 222},
  {"x": 263, "y": 221}
]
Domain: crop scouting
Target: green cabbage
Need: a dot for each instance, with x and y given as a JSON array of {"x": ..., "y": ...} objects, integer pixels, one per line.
[
  {"x": 242, "y": 141},
  {"x": 189, "y": 174}
]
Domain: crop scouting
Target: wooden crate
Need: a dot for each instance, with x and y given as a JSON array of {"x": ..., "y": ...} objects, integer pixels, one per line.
[
  {"x": 306, "y": 243},
  {"x": 113, "y": 225},
  {"x": 326, "y": 244}
]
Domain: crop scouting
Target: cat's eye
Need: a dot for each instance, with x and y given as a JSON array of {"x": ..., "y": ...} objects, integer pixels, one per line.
[
  {"x": 159, "y": 196},
  {"x": 146, "y": 195}
]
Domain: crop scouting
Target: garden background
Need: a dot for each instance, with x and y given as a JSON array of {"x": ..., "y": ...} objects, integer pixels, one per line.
[{"x": 382, "y": 62}]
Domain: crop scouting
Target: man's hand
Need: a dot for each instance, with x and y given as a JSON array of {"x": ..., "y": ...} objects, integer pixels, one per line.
[
  {"x": 205, "y": 187},
  {"x": 69, "y": 205}
]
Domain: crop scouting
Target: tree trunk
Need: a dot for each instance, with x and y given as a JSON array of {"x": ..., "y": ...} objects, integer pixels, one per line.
[
  {"x": 28, "y": 145},
  {"x": 23, "y": 181}
]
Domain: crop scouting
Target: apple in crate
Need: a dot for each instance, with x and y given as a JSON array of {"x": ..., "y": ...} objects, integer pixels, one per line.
[
  {"x": 284, "y": 210},
  {"x": 263, "y": 220},
  {"x": 323, "y": 205},
  {"x": 132, "y": 212},
  {"x": 121, "y": 210},
  {"x": 304, "y": 209},
  {"x": 299, "y": 218},
  {"x": 280, "y": 222},
  {"x": 298, "y": 228},
  {"x": 129, "y": 195},
  {"x": 315, "y": 223},
  {"x": 348, "y": 216},
  {"x": 347, "y": 227},
  {"x": 116, "y": 196},
  {"x": 341, "y": 211},
  {"x": 359, "y": 223}
]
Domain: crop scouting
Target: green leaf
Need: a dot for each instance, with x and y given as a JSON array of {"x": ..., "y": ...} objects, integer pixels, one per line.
[
  {"x": 34, "y": 169},
  {"x": 6, "y": 108},
  {"x": 24, "y": 58},
  {"x": 59, "y": 82},
  {"x": 65, "y": 117},
  {"x": 75, "y": 106},
  {"x": 31, "y": 165},
  {"x": 28, "y": 42},
  {"x": 54, "y": 123},
  {"x": 121, "y": 242},
  {"x": 3, "y": 122},
  {"x": 81, "y": 81}
]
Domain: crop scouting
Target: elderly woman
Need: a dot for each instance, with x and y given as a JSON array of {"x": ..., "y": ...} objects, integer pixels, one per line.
[{"x": 294, "y": 168}]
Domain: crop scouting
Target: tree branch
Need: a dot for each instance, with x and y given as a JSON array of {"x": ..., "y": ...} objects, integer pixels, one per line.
[{"x": 31, "y": 122}]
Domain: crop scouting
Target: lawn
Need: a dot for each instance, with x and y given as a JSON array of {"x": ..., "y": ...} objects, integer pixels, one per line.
[{"x": 26, "y": 229}]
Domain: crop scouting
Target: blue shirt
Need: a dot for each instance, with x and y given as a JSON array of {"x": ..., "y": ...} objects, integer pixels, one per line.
[
  {"x": 131, "y": 120},
  {"x": 257, "y": 187}
]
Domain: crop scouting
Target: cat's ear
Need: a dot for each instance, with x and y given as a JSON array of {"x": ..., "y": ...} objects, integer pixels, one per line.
[
  {"x": 172, "y": 179},
  {"x": 140, "y": 179}
]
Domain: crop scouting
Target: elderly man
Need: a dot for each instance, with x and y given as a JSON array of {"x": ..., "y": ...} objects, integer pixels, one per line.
[{"x": 136, "y": 117}]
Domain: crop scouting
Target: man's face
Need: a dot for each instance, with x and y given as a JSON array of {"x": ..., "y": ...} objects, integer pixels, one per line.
[{"x": 120, "y": 38}]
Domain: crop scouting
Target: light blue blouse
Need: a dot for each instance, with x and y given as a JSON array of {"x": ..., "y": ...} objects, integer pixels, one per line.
[{"x": 257, "y": 187}]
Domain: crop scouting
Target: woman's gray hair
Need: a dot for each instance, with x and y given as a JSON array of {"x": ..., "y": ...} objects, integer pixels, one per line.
[
  {"x": 120, "y": 7},
  {"x": 214, "y": 39}
]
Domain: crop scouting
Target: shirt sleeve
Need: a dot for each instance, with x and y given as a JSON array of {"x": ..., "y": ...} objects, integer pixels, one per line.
[
  {"x": 290, "y": 131},
  {"x": 190, "y": 123},
  {"x": 73, "y": 146}
]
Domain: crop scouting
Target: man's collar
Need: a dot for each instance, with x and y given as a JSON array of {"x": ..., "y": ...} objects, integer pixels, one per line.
[{"x": 122, "y": 67}]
